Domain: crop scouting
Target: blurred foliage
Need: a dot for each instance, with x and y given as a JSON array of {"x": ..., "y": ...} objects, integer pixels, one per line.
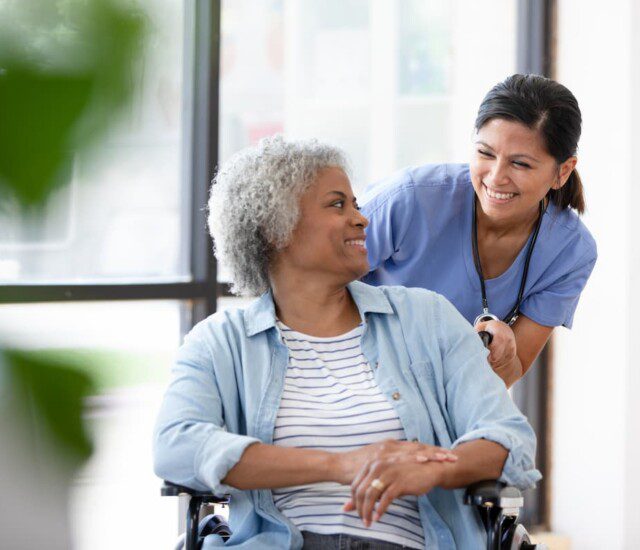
[
  {"x": 48, "y": 395},
  {"x": 112, "y": 369},
  {"x": 66, "y": 71}
]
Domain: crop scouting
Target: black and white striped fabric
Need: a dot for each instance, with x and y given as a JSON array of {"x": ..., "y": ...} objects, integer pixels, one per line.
[{"x": 331, "y": 402}]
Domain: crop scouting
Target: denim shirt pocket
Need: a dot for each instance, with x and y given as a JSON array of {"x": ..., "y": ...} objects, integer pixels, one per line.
[{"x": 434, "y": 398}]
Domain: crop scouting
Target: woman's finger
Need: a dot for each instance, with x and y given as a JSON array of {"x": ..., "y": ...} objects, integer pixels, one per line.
[
  {"x": 348, "y": 506},
  {"x": 371, "y": 495},
  {"x": 385, "y": 500},
  {"x": 360, "y": 490},
  {"x": 358, "y": 479}
]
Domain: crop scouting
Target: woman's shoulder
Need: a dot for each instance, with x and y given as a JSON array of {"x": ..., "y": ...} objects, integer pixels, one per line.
[
  {"x": 427, "y": 178},
  {"x": 427, "y": 318},
  {"x": 411, "y": 301},
  {"x": 222, "y": 331},
  {"x": 565, "y": 228},
  {"x": 438, "y": 176}
]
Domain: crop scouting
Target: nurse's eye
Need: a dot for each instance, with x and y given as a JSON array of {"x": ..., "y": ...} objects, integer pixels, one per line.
[
  {"x": 339, "y": 204},
  {"x": 521, "y": 164}
]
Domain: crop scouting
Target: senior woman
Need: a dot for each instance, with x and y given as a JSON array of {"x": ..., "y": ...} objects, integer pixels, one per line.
[{"x": 337, "y": 414}]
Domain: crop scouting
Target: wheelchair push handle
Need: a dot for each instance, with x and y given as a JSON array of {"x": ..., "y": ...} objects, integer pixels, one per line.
[{"x": 486, "y": 338}]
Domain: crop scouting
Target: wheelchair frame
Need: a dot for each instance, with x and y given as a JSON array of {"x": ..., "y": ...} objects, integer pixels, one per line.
[{"x": 497, "y": 503}]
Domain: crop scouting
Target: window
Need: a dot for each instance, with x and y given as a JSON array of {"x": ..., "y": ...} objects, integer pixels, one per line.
[{"x": 117, "y": 267}]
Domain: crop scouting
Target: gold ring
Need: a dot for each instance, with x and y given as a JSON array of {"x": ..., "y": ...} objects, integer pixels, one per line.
[{"x": 377, "y": 484}]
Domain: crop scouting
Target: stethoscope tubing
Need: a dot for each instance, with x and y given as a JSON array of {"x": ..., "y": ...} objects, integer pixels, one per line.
[{"x": 511, "y": 317}]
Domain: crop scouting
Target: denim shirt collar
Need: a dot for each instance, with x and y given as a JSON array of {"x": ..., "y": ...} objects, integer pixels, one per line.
[{"x": 260, "y": 315}]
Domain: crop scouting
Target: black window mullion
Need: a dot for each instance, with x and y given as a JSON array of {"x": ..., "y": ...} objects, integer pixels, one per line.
[{"x": 204, "y": 149}]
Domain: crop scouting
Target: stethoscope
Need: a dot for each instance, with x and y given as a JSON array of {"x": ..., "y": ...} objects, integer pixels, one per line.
[{"x": 512, "y": 316}]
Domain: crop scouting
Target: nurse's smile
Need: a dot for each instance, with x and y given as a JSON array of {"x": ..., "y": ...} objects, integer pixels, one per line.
[{"x": 498, "y": 197}]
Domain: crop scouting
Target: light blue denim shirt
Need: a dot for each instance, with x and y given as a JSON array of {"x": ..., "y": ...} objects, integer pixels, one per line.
[{"x": 430, "y": 364}]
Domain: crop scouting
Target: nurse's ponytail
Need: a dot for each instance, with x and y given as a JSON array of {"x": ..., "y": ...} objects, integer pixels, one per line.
[
  {"x": 548, "y": 106},
  {"x": 571, "y": 194}
]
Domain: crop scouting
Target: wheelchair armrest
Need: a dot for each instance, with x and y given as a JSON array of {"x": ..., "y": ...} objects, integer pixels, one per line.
[
  {"x": 169, "y": 489},
  {"x": 495, "y": 494}
]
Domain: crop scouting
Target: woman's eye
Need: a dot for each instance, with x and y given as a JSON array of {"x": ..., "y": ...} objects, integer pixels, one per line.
[
  {"x": 485, "y": 153},
  {"x": 521, "y": 164},
  {"x": 339, "y": 204}
]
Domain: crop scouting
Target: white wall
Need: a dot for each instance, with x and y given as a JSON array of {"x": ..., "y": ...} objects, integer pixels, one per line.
[{"x": 596, "y": 453}]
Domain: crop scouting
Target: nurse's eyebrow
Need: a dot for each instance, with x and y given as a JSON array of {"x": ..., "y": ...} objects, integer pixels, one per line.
[{"x": 517, "y": 155}]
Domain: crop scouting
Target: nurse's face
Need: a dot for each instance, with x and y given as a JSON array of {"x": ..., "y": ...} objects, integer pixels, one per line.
[
  {"x": 512, "y": 171},
  {"x": 329, "y": 239}
]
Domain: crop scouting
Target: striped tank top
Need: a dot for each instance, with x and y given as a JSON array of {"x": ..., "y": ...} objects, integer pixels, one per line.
[{"x": 331, "y": 402}]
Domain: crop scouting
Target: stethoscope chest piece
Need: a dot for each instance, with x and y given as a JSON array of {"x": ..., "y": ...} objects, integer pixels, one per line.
[{"x": 484, "y": 317}]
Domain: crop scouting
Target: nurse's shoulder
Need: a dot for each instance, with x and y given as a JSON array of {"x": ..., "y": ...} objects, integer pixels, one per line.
[
  {"x": 422, "y": 200},
  {"x": 424, "y": 179},
  {"x": 567, "y": 231}
]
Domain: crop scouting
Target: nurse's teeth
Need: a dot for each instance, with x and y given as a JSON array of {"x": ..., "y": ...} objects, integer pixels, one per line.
[
  {"x": 495, "y": 195},
  {"x": 356, "y": 243}
]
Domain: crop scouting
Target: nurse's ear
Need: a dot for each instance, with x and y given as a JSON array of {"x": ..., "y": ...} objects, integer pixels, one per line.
[{"x": 564, "y": 171}]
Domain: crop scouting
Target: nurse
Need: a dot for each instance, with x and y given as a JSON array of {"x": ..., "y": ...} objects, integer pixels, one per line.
[{"x": 500, "y": 237}]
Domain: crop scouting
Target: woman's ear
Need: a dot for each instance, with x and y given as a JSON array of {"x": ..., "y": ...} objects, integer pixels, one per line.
[{"x": 564, "y": 171}]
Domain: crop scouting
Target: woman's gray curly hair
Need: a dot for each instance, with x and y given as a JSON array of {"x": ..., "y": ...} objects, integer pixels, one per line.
[{"x": 254, "y": 204}]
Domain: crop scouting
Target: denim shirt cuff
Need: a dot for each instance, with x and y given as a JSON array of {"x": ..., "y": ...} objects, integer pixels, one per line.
[
  {"x": 519, "y": 469},
  {"x": 217, "y": 455}
]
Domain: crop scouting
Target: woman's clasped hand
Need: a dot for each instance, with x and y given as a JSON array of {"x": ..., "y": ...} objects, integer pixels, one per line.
[
  {"x": 503, "y": 356},
  {"x": 396, "y": 469}
]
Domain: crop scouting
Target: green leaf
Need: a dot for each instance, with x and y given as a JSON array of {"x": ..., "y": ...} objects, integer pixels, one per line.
[
  {"x": 49, "y": 397},
  {"x": 38, "y": 113},
  {"x": 64, "y": 79}
]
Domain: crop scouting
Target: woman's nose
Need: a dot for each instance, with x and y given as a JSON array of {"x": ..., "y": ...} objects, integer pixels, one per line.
[
  {"x": 360, "y": 220},
  {"x": 497, "y": 175}
]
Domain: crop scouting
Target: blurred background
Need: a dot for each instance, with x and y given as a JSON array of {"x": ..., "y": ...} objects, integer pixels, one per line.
[{"x": 108, "y": 265}]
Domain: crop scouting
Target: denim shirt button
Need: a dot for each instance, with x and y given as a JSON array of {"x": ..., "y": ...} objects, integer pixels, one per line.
[{"x": 395, "y": 395}]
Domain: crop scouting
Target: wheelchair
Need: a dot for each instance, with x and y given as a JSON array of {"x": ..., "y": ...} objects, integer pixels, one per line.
[{"x": 498, "y": 505}]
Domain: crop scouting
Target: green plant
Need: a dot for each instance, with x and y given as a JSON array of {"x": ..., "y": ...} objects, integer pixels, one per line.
[{"x": 66, "y": 72}]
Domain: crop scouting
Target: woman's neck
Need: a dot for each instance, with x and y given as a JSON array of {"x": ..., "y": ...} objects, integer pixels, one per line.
[
  {"x": 314, "y": 307},
  {"x": 497, "y": 229}
]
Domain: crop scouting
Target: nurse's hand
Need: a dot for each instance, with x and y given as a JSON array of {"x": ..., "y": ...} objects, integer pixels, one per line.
[{"x": 503, "y": 356}]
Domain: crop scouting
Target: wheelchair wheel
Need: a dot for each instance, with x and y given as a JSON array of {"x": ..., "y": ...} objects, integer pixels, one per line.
[
  {"x": 213, "y": 525},
  {"x": 517, "y": 538}
]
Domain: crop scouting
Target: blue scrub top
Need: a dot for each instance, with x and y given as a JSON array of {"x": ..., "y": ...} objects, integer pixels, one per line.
[{"x": 419, "y": 235}]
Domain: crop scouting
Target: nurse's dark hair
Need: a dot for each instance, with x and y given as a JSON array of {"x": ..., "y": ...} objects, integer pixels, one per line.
[{"x": 548, "y": 106}]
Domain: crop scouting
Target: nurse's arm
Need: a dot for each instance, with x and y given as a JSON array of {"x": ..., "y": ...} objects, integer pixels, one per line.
[
  {"x": 530, "y": 339},
  {"x": 514, "y": 349}
]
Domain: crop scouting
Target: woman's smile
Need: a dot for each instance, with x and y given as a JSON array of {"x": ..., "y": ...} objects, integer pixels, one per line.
[
  {"x": 357, "y": 245},
  {"x": 498, "y": 197}
]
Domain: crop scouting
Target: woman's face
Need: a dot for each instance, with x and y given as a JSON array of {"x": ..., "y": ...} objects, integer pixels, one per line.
[
  {"x": 329, "y": 238},
  {"x": 512, "y": 171}
]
